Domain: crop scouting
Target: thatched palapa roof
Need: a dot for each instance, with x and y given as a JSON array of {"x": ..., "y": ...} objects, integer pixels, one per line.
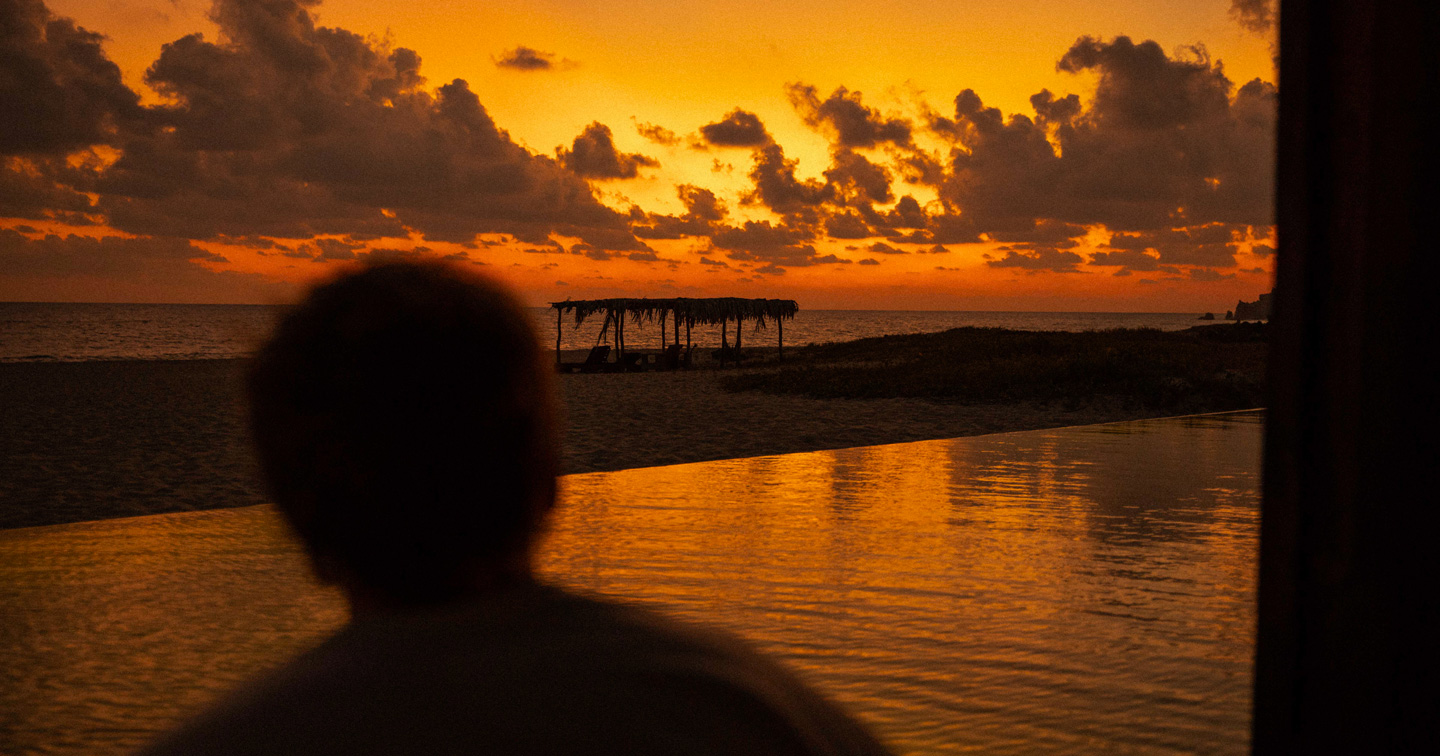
[{"x": 708, "y": 311}]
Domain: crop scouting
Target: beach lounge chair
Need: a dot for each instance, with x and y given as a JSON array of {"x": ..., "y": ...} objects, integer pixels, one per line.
[{"x": 596, "y": 362}]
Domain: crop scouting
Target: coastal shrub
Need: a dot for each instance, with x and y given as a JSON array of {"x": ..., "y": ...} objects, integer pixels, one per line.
[{"x": 1199, "y": 370}]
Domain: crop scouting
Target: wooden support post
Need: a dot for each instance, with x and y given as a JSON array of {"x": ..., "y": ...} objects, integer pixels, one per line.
[
  {"x": 724, "y": 340},
  {"x": 559, "y": 322}
]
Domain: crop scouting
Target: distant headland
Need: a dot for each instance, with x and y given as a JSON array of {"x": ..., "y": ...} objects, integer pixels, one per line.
[{"x": 1257, "y": 310}]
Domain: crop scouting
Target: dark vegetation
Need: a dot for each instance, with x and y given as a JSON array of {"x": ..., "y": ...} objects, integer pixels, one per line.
[{"x": 1201, "y": 369}]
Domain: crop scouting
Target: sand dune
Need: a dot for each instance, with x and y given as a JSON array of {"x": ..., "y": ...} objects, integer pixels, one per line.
[{"x": 96, "y": 440}]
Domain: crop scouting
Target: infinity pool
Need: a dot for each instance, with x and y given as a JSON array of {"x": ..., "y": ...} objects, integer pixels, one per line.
[{"x": 1079, "y": 590}]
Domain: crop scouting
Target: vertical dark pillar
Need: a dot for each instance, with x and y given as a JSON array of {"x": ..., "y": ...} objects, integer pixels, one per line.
[
  {"x": 724, "y": 340},
  {"x": 1347, "y": 656},
  {"x": 620, "y": 333},
  {"x": 559, "y": 322}
]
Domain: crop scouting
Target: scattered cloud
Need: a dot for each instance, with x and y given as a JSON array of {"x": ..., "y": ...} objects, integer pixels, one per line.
[
  {"x": 657, "y": 134},
  {"x": 163, "y": 268},
  {"x": 1033, "y": 260},
  {"x": 593, "y": 155},
  {"x": 850, "y": 122},
  {"x": 524, "y": 58},
  {"x": 739, "y": 128},
  {"x": 1258, "y": 16},
  {"x": 58, "y": 91},
  {"x": 301, "y": 141},
  {"x": 280, "y": 128},
  {"x": 1165, "y": 142}
]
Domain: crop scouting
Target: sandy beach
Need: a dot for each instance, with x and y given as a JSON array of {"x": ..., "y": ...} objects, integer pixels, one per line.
[{"x": 97, "y": 440}]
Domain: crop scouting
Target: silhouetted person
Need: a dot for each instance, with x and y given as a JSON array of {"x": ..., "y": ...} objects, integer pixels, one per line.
[{"x": 404, "y": 418}]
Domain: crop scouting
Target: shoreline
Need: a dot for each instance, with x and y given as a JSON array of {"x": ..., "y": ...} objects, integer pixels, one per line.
[{"x": 119, "y": 438}]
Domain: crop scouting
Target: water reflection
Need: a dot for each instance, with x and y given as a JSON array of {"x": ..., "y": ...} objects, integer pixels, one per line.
[{"x": 1084, "y": 589}]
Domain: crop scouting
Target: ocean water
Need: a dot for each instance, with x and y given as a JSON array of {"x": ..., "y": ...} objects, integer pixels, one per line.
[
  {"x": 81, "y": 332},
  {"x": 1076, "y": 590}
]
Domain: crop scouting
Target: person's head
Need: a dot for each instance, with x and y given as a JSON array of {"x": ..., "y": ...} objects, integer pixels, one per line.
[{"x": 404, "y": 419}]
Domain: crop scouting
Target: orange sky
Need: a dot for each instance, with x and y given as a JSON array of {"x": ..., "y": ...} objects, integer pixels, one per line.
[{"x": 682, "y": 66}]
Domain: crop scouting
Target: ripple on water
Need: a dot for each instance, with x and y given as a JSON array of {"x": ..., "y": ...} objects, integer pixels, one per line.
[{"x": 1077, "y": 590}]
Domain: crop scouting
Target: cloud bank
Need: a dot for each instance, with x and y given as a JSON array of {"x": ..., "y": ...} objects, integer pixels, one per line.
[{"x": 319, "y": 142}]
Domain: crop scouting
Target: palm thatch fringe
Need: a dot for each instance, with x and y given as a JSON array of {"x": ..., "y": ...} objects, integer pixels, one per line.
[{"x": 709, "y": 311}]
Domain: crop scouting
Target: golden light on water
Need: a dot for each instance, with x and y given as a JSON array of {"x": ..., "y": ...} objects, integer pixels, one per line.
[{"x": 1084, "y": 588}]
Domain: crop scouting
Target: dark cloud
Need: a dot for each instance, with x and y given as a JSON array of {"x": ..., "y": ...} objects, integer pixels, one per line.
[
  {"x": 1206, "y": 274},
  {"x": 1165, "y": 142},
  {"x": 591, "y": 251},
  {"x": 942, "y": 228},
  {"x": 885, "y": 249},
  {"x": 739, "y": 128},
  {"x": 334, "y": 250},
  {"x": 856, "y": 181},
  {"x": 593, "y": 155},
  {"x": 869, "y": 261},
  {"x": 524, "y": 58},
  {"x": 657, "y": 134},
  {"x": 1044, "y": 231},
  {"x": 701, "y": 204},
  {"x": 150, "y": 268},
  {"x": 776, "y": 186},
  {"x": 285, "y": 129},
  {"x": 1262, "y": 250},
  {"x": 907, "y": 213},
  {"x": 44, "y": 188},
  {"x": 848, "y": 224},
  {"x": 850, "y": 122},
  {"x": 1128, "y": 259},
  {"x": 1044, "y": 258},
  {"x": 702, "y": 211},
  {"x": 1212, "y": 246},
  {"x": 774, "y": 245},
  {"x": 1258, "y": 16},
  {"x": 58, "y": 91}
]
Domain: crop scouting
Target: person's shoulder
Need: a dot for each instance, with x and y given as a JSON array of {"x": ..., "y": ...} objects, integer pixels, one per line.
[
  {"x": 703, "y": 690},
  {"x": 535, "y": 670},
  {"x": 268, "y": 713}
]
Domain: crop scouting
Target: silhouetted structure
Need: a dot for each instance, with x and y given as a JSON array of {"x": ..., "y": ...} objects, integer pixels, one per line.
[
  {"x": 1347, "y": 660},
  {"x": 1257, "y": 310},
  {"x": 404, "y": 418},
  {"x": 721, "y": 311}
]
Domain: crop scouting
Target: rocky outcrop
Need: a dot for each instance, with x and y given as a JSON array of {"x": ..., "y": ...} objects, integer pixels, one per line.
[{"x": 1257, "y": 310}]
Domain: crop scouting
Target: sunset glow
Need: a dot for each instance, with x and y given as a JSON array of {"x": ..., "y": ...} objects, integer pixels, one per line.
[{"x": 1107, "y": 156}]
